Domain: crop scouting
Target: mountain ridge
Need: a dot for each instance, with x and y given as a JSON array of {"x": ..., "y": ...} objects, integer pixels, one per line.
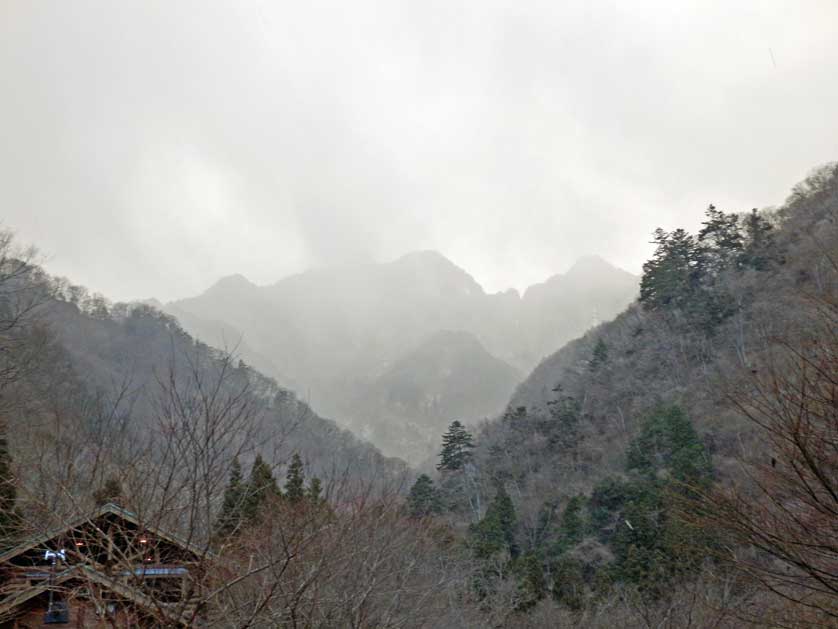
[
  {"x": 237, "y": 279},
  {"x": 332, "y": 331}
]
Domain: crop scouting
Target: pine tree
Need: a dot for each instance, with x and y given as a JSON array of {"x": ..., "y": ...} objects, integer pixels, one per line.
[
  {"x": 759, "y": 242},
  {"x": 233, "y": 505},
  {"x": 671, "y": 277},
  {"x": 314, "y": 490},
  {"x": 502, "y": 511},
  {"x": 456, "y": 448},
  {"x": 261, "y": 487},
  {"x": 668, "y": 443},
  {"x": 720, "y": 241},
  {"x": 295, "y": 480},
  {"x": 424, "y": 498},
  {"x": 496, "y": 531},
  {"x": 10, "y": 520},
  {"x": 566, "y": 411},
  {"x": 573, "y": 523},
  {"x": 680, "y": 276},
  {"x": 109, "y": 492},
  {"x": 600, "y": 355}
]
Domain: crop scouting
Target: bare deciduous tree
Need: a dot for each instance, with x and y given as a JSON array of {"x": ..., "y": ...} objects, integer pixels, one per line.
[{"x": 786, "y": 517}]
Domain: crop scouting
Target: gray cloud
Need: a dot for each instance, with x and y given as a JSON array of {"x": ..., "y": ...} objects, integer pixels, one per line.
[{"x": 150, "y": 147}]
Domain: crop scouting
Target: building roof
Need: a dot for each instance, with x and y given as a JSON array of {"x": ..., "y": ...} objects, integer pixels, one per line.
[
  {"x": 177, "y": 613},
  {"x": 108, "y": 509}
]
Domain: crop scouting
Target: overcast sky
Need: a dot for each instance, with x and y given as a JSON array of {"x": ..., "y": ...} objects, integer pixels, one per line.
[{"x": 149, "y": 148}]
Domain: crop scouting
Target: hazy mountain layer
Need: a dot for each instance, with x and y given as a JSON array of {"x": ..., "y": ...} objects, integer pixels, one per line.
[
  {"x": 449, "y": 375},
  {"x": 335, "y": 333},
  {"x": 115, "y": 362}
]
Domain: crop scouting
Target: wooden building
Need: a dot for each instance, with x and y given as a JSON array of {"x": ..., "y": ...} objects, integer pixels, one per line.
[{"x": 104, "y": 570}]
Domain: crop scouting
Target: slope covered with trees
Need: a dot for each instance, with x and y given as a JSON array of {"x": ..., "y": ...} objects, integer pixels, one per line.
[
  {"x": 114, "y": 403},
  {"x": 84, "y": 372},
  {"x": 674, "y": 467},
  {"x": 617, "y": 472}
]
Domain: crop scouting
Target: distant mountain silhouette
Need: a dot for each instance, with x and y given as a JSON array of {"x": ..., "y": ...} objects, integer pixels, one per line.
[
  {"x": 334, "y": 333},
  {"x": 565, "y": 305}
]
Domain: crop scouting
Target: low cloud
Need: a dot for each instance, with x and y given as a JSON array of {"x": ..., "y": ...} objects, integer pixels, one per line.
[{"x": 149, "y": 148}]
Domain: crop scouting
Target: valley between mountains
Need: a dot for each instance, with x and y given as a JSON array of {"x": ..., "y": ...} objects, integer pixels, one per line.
[{"x": 397, "y": 350}]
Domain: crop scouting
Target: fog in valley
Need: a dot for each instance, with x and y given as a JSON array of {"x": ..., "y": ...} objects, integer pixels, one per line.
[{"x": 419, "y": 315}]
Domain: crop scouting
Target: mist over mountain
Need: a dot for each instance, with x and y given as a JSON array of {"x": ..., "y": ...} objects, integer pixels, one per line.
[
  {"x": 341, "y": 334},
  {"x": 612, "y": 483},
  {"x": 115, "y": 359},
  {"x": 419, "y": 315},
  {"x": 450, "y": 375}
]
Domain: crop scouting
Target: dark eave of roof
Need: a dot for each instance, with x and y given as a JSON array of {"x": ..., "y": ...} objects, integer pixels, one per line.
[{"x": 108, "y": 509}]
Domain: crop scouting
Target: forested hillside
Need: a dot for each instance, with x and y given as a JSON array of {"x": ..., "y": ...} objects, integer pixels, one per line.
[
  {"x": 419, "y": 315},
  {"x": 674, "y": 467},
  {"x": 602, "y": 484},
  {"x": 712, "y": 304},
  {"x": 97, "y": 373}
]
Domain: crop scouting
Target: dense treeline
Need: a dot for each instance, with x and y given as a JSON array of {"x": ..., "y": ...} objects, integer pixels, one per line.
[{"x": 612, "y": 484}]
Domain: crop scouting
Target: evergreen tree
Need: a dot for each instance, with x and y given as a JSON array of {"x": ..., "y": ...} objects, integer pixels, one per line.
[
  {"x": 566, "y": 412},
  {"x": 650, "y": 545},
  {"x": 261, "y": 487},
  {"x": 671, "y": 277},
  {"x": 10, "y": 520},
  {"x": 456, "y": 448},
  {"x": 573, "y": 523},
  {"x": 424, "y": 498},
  {"x": 720, "y": 240},
  {"x": 314, "y": 490},
  {"x": 109, "y": 492},
  {"x": 759, "y": 242},
  {"x": 681, "y": 274},
  {"x": 635, "y": 518},
  {"x": 233, "y": 505},
  {"x": 608, "y": 497},
  {"x": 532, "y": 586},
  {"x": 668, "y": 443},
  {"x": 496, "y": 531},
  {"x": 295, "y": 480},
  {"x": 599, "y": 356},
  {"x": 640, "y": 554}
]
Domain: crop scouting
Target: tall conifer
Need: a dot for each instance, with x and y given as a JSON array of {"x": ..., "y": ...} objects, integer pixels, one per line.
[
  {"x": 234, "y": 498},
  {"x": 456, "y": 448},
  {"x": 295, "y": 480},
  {"x": 424, "y": 498},
  {"x": 261, "y": 486}
]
